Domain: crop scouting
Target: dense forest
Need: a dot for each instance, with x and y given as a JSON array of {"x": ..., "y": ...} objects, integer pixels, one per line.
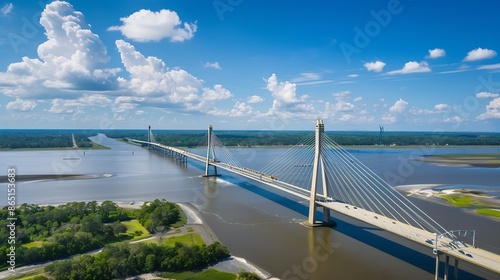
[
  {"x": 76, "y": 227},
  {"x": 122, "y": 260},
  {"x": 35, "y": 139},
  {"x": 14, "y": 139},
  {"x": 61, "y": 231}
]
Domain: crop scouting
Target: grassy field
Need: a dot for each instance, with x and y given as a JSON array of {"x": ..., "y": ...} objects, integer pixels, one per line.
[
  {"x": 489, "y": 212},
  {"x": 463, "y": 201},
  {"x": 133, "y": 226},
  {"x": 207, "y": 274},
  {"x": 187, "y": 239},
  {"x": 459, "y": 200},
  {"x": 33, "y": 244},
  {"x": 28, "y": 275}
]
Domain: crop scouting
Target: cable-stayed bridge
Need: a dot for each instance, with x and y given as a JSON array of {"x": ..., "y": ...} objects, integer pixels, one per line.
[{"x": 319, "y": 170}]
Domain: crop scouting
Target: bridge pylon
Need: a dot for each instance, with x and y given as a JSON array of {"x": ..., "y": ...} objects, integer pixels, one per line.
[
  {"x": 149, "y": 138},
  {"x": 210, "y": 155},
  {"x": 318, "y": 166}
]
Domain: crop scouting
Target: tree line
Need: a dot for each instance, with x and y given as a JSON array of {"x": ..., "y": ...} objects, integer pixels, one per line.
[
  {"x": 35, "y": 139},
  {"x": 122, "y": 260}
]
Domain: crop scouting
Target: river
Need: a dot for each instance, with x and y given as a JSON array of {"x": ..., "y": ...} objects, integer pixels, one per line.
[{"x": 257, "y": 222}]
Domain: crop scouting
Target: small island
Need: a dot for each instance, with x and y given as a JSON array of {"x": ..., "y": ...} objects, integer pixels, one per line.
[
  {"x": 467, "y": 160},
  {"x": 470, "y": 199},
  {"x": 110, "y": 240}
]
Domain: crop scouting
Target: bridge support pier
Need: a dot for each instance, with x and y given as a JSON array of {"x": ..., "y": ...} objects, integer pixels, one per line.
[
  {"x": 326, "y": 215},
  {"x": 446, "y": 264}
]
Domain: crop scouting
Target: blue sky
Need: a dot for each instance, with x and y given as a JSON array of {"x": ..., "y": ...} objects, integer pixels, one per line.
[{"x": 240, "y": 64}]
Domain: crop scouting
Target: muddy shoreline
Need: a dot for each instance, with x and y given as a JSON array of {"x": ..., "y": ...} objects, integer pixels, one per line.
[{"x": 38, "y": 177}]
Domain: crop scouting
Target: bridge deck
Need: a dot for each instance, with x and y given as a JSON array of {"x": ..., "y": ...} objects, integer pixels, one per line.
[{"x": 477, "y": 256}]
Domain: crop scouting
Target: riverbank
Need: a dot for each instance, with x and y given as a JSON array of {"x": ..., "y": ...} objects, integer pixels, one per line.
[{"x": 41, "y": 177}]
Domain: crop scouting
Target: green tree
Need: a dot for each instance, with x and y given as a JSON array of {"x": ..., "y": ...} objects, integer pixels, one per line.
[
  {"x": 150, "y": 264},
  {"x": 93, "y": 224}
]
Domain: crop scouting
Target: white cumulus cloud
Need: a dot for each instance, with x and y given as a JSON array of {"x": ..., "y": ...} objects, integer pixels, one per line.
[
  {"x": 146, "y": 25},
  {"x": 6, "y": 9},
  {"x": 72, "y": 58},
  {"x": 484, "y": 95},
  {"x": 241, "y": 109},
  {"x": 436, "y": 53},
  {"x": 254, "y": 99},
  {"x": 21, "y": 105},
  {"x": 442, "y": 107},
  {"x": 480, "y": 54},
  {"x": 286, "y": 103},
  {"x": 399, "y": 106},
  {"x": 149, "y": 76},
  {"x": 412, "y": 67},
  {"x": 217, "y": 93},
  {"x": 375, "y": 66},
  {"x": 283, "y": 91},
  {"x": 492, "y": 110},
  {"x": 214, "y": 65}
]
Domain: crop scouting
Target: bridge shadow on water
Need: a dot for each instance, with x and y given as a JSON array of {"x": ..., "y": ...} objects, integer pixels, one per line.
[{"x": 360, "y": 233}]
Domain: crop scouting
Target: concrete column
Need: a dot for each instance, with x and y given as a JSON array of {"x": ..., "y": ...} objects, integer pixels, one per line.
[
  {"x": 455, "y": 271},
  {"x": 210, "y": 150},
  {"x": 149, "y": 137},
  {"x": 436, "y": 276},
  {"x": 326, "y": 215},
  {"x": 320, "y": 128}
]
